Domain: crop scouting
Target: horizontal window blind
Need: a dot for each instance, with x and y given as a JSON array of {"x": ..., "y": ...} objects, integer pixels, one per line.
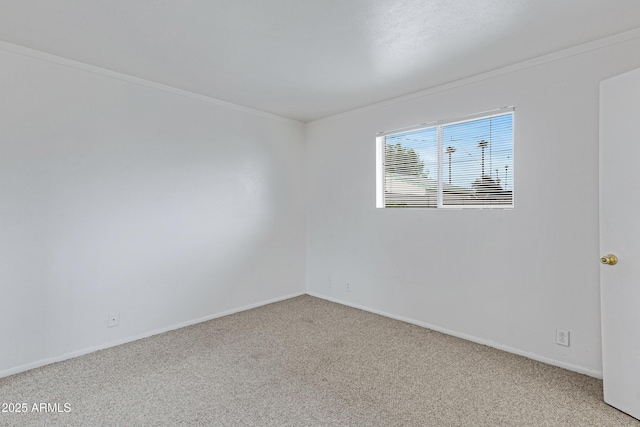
[
  {"x": 411, "y": 168},
  {"x": 457, "y": 163}
]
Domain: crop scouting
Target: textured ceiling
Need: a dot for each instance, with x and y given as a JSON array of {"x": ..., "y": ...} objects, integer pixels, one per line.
[{"x": 307, "y": 59}]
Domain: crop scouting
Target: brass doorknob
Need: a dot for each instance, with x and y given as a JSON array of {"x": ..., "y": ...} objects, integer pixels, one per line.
[{"x": 609, "y": 259}]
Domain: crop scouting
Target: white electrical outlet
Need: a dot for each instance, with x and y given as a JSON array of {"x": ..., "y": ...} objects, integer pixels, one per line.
[
  {"x": 562, "y": 337},
  {"x": 114, "y": 320},
  {"x": 348, "y": 287},
  {"x": 330, "y": 283}
]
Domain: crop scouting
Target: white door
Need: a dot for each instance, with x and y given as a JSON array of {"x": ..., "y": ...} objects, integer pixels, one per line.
[{"x": 620, "y": 236}]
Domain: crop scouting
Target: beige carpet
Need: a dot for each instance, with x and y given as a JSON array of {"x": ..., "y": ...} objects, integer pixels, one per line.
[{"x": 307, "y": 362}]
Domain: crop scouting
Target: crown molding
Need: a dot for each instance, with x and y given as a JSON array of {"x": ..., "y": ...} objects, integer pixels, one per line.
[
  {"x": 523, "y": 65},
  {"x": 59, "y": 60}
]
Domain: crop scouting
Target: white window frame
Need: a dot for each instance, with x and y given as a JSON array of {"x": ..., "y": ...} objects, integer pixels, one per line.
[{"x": 440, "y": 124}]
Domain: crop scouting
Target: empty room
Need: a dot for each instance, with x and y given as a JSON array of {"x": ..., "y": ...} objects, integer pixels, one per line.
[{"x": 319, "y": 213}]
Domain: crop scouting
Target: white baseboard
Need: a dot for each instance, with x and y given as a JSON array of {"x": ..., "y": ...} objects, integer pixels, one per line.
[
  {"x": 533, "y": 356},
  {"x": 73, "y": 354},
  {"x": 82, "y": 352}
]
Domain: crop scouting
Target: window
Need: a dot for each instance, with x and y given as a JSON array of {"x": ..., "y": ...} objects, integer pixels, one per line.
[{"x": 461, "y": 163}]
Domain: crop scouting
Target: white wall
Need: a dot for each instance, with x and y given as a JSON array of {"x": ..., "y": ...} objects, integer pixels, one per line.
[
  {"x": 122, "y": 197},
  {"x": 508, "y": 278}
]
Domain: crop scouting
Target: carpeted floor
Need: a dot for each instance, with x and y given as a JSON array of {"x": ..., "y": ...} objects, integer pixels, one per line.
[{"x": 307, "y": 362}]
